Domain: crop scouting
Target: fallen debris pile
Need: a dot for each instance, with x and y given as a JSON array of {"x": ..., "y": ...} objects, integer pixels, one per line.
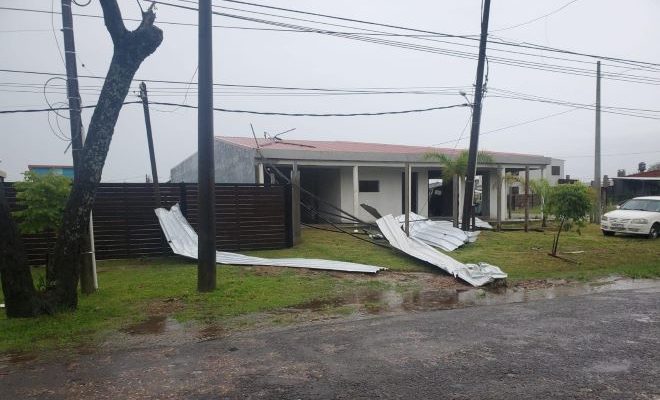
[
  {"x": 441, "y": 234},
  {"x": 182, "y": 238},
  {"x": 474, "y": 274}
]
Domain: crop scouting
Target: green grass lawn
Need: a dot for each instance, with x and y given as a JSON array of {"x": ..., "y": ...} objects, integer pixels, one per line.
[{"x": 131, "y": 290}]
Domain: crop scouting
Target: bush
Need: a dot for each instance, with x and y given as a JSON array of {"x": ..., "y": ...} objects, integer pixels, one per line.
[{"x": 41, "y": 199}]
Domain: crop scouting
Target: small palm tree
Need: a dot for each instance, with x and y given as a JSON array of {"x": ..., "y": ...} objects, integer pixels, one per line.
[
  {"x": 457, "y": 166},
  {"x": 541, "y": 187}
]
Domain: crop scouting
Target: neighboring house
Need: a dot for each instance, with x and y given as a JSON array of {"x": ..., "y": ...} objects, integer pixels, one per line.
[
  {"x": 553, "y": 174},
  {"x": 45, "y": 169},
  {"x": 346, "y": 174},
  {"x": 639, "y": 184}
]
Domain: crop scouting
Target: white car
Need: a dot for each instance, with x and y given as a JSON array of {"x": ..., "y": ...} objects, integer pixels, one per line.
[{"x": 639, "y": 216}]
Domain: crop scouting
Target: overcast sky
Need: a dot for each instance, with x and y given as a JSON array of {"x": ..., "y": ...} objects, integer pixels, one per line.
[{"x": 264, "y": 57}]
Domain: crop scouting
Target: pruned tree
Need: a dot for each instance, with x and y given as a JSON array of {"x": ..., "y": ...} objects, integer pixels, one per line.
[
  {"x": 655, "y": 167},
  {"x": 570, "y": 203},
  {"x": 130, "y": 49}
]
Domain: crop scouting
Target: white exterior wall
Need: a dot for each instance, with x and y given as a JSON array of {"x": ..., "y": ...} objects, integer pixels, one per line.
[
  {"x": 547, "y": 173},
  {"x": 388, "y": 199}
]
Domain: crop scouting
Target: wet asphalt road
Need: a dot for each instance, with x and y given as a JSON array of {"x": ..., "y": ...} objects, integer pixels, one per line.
[{"x": 598, "y": 346}]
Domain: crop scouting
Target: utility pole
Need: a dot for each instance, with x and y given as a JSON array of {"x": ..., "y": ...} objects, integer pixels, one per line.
[
  {"x": 88, "y": 279},
  {"x": 597, "y": 176},
  {"x": 206, "y": 267},
  {"x": 150, "y": 142},
  {"x": 476, "y": 120}
]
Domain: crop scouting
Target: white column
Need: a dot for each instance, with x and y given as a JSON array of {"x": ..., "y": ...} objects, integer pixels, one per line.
[
  {"x": 260, "y": 173},
  {"x": 356, "y": 192},
  {"x": 501, "y": 174},
  {"x": 407, "y": 197}
]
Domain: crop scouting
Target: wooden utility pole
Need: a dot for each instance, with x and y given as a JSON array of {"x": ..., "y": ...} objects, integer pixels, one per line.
[
  {"x": 476, "y": 120},
  {"x": 150, "y": 142},
  {"x": 88, "y": 279},
  {"x": 206, "y": 266},
  {"x": 597, "y": 177}
]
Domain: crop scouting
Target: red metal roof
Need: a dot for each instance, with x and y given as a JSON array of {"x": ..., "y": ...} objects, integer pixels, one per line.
[
  {"x": 647, "y": 174},
  {"x": 341, "y": 146}
]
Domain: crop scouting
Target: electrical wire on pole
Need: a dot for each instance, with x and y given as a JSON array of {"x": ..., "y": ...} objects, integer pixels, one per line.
[
  {"x": 468, "y": 208},
  {"x": 88, "y": 277}
]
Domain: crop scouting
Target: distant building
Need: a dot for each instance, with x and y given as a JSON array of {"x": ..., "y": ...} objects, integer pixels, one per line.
[
  {"x": 640, "y": 184},
  {"x": 45, "y": 169}
]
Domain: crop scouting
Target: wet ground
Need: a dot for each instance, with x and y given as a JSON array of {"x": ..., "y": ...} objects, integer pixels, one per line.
[{"x": 585, "y": 341}]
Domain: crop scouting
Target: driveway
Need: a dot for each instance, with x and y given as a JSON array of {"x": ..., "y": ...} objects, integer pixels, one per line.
[{"x": 597, "y": 346}]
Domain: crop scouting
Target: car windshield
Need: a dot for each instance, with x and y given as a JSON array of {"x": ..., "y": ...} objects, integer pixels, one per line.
[{"x": 642, "y": 205}]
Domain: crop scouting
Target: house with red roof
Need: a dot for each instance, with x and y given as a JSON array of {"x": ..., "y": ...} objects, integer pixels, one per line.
[
  {"x": 645, "y": 183},
  {"x": 345, "y": 174}
]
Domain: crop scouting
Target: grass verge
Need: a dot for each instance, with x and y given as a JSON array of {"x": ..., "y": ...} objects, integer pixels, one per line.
[{"x": 131, "y": 290}]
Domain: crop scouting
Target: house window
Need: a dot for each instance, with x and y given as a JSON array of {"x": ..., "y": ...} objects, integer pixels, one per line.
[
  {"x": 369, "y": 186},
  {"x": 515, "y": 190},
  {"x": 555, "y": 170}
]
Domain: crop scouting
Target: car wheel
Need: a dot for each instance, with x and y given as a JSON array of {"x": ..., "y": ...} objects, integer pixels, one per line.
[
  {"x": 655, "y": 231},
  {"x": 608, "y": 233}
]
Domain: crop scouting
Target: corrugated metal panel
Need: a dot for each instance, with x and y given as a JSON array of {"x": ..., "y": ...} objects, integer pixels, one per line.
[
  {"x": 441, "y": 234},
  {"x": 183, "y": 241},
  {"x": 474, "y": 274}
]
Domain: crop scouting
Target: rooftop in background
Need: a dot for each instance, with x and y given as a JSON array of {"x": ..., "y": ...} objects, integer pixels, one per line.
[
  {"x": 646, "y": 174},
  {"x": 641, "y": 176},
  {"x": 362, "y": 151}
]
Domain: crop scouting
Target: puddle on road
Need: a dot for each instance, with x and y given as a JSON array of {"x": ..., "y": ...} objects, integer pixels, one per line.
[
  {"x": 153, "y": 325},
  {"x": 382, "y": 301},
  {"x": 9, "y": 361}
]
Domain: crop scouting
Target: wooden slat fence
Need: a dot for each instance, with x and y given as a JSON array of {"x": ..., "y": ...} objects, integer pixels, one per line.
[{"x": 248, "y": 217}]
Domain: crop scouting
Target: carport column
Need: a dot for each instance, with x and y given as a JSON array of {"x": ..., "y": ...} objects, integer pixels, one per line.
[
  {"x": 356, "y": 193},
  {"x": 526, "y": 198},
  {"x": 260, "y": 173},
  {"x": 407, "y": 186},
  {"x": 295, "y": 203},
  {"x": 500, "y": 196}
]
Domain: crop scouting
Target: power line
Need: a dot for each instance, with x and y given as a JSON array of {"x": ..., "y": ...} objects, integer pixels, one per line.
[
  {"x": 535, "y": 19},
  {"x": 512, "y": 62},
  {"x": 419, "y": 110},
  {"x": 428, "y": 49}
]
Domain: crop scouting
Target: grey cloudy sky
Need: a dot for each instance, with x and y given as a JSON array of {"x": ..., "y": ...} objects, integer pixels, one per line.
[{"x": 255, "y": 57}]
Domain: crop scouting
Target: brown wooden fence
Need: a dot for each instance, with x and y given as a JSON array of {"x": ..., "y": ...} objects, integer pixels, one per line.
[{"x": 248, "y": 217}]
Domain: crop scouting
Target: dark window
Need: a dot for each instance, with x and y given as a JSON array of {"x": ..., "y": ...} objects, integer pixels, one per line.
[
  {"x": 555, "y": 170},
  {"x": 515, "y": 190},
  {"x": 369, "y": 186}
]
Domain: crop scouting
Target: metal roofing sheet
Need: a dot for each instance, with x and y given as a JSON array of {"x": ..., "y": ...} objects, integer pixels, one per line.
[
  {"x": 183, "y": 241},
  {"x": 474, "y": 274}
]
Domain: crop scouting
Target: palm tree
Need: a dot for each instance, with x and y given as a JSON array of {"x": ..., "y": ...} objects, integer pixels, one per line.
[
  {"x": 457, "y": 166},
  {"x": 541, "y": 187}
]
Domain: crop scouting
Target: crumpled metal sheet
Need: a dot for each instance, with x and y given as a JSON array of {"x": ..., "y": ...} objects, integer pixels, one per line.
[
  {"x": 182, "y": 238},
  {"x": 474, "y": 274},
  {"x": 441, "y": 234}
]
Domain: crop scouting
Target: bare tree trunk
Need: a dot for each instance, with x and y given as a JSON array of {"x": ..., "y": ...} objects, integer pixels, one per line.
[
  {"x": 21, "y": 298},
  {"x": 130, "y": 49},
  {"x": 555, "y": 243}
]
